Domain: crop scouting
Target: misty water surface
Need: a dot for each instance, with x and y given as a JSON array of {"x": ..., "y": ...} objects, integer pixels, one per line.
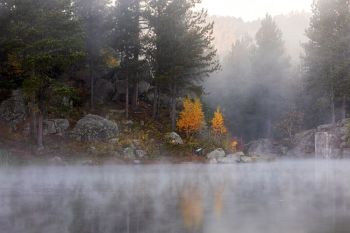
[{"x": 281, "y": 197}]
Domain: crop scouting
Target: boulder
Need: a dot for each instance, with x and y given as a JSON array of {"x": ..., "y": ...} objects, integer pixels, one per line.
[
  {"x": 55, "y": 126},
  {"x": 174, "y": 139},
  {"x": 264, "y": 148},
  {"x": 94, "y": 128},
  {"x": 129, "y": 153},
  {"x": 325, "y": 128},
  {"x": 57, "y": 161},
  {"x": 144, "y": 87},
  {"x": 140, "y": 154},
  {"x": 216, "y": 154},
  {"x": 232, "y": 158},
  {"x": 212, "y": 161},
  {"x": 247, "y": 159},
  {"x": 13, "y": 110},
  {"x": 304, "y": 145}
]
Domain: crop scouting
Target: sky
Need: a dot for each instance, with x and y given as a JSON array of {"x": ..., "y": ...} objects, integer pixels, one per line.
[{"x": 253, "y": 9}]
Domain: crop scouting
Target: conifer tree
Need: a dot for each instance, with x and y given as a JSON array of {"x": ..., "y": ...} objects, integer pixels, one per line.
[
  {"x": 47, "y": 38},
  {"x": 180, "y": 49},
  {"x": 327, "y": 60}
]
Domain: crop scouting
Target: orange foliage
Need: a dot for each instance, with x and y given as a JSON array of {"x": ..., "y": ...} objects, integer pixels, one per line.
[
  {"x": 218, "y": 124},
  {"x": 234, "y": 146},
  {"x": 191, "y": 118}
]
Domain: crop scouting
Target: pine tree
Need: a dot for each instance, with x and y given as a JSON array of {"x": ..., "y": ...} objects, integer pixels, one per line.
[
  {"x": 270, "y": 68},
  {"x": 95, "y": 18},
  {"x": 180, "y": 50},
  {"x": 127, "y": 40},
  {"x": 191, "y": 118},
  {"x": 48, "y": 39},
  {"x": 327, "y": 60}
]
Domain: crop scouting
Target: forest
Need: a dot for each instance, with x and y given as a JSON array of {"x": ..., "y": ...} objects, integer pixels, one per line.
[{"x": 70, "y": 57}]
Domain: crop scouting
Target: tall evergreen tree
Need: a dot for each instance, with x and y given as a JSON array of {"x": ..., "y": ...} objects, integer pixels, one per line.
[
  {"x": 270, "y": 67},
  {"x": 327, "y": 59},
  {"x": 181, "y": 49},
  {"x": 127, "y": 43},
  {"x": 95, "y": 17},
  {"x": 47, "y": 39}
]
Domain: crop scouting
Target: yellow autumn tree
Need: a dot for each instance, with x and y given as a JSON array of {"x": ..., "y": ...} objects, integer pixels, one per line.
[
  {"x": 191, "y": 118},
  {"x": 218, "y": 123}
]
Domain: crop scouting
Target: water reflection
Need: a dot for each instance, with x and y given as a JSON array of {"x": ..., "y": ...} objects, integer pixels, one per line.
[{"x": 289, "y": 197}]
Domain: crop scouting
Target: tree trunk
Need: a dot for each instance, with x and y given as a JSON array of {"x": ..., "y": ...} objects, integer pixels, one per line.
[
  {"x": 40, "y": 131},
  {"x": 92, "y": 86},
  {"x": 343, "y": 109},
  {"x": 127, "y": 98},
  {"x": 173, "y": 109},
  {"x": 333, "y": 107},
  {"x": 135, "y": 96},
  {"x": 33, "y": 122},
  {"x": 155, "y": 103},
  {"x": 173, "y": 113}
]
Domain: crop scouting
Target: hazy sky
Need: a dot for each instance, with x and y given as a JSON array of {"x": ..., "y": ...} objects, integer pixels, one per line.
[{"x": 253, "y": 9}]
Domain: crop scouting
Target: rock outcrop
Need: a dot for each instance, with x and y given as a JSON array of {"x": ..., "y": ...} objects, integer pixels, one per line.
[
  {"x": 325, "y": 141},
  {"x": 94, "y": 128},
  {"x": 231, "y": 159},
  {"x": 174, "y": 139},
  {"x": 55, "y": 126},
  {"x": 265, "y": 149},
  {"x": 13, "y": 110}
]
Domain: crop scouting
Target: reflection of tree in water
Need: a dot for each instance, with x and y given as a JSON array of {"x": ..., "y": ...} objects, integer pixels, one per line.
[
  {"x": 218, "y": 201},
  {"x": 191, "y": 205}
]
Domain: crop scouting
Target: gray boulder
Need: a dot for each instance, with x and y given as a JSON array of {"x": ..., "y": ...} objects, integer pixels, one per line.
[
  {"x": 94, "y": 128},
  {"x": 216, "y": 154},
  {"x": 174, "y": 139},
  {"x": 140, "y": 153},
  {"x": 55, "y": 126},
  {"x": 232, "y": 158},
  {"x": 144, "y": 87},
  {"x": 247, "y": 159},
  {"x": 13, "y": 110},
  {"x": 264, "y": 148},
  {"x": 129, "y": 153},
  {"x": 304, "y": 145},
  {"x": 213, "y": 161}
]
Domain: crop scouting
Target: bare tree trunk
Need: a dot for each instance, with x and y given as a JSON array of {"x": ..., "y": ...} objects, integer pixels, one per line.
[
  {"x": 333, "y": 106},
  {"x": 33, "y": 123},
  {"x": 343, "y": 109},
  {"x": 40, "y": 131},
  {"x": 173, "y": 113},
  {"x": 135, "y": 98},
  {"x": 92, "y": 86},
  {"x": 155, "y": 103},
  {"x": 127, "y": 98},
  {"x": 173, "y": 109}
]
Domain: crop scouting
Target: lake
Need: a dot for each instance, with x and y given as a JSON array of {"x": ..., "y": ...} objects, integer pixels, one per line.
[{"x": 303, "y": 196}]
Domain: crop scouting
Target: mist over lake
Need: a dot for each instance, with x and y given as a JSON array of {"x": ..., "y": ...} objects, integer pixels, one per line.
[{"x": 286, "y": 196}]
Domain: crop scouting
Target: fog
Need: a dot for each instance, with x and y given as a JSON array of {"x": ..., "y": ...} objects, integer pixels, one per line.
[{"x": 286, "y": 196}]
